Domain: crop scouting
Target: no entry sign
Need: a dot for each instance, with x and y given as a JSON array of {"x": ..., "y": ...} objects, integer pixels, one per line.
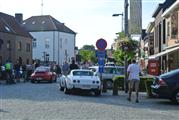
[{"x": 101, "y": 44}]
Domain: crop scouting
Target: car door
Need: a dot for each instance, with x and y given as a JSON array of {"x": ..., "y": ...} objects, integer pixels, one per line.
[{"x": 109, "y": 72}]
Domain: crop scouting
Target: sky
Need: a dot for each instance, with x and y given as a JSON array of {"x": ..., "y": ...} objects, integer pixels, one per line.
[{"x": 90, "y": 19}]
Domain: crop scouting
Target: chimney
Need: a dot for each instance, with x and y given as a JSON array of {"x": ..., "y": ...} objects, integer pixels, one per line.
[{"x": 19, "y": 17}]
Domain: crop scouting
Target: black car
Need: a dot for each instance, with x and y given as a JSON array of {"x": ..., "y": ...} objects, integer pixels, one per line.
[{"x": 167, "y": 86}]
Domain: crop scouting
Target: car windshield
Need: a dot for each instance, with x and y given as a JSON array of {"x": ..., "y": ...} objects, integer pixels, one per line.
[
  {"x": 82, "y": 73},
  {"x": 42, "y": 69},
  {"x": 120, "y": 71}
]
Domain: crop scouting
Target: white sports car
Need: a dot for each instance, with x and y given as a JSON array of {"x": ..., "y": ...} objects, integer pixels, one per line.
[{"x": 80, "y": 79}]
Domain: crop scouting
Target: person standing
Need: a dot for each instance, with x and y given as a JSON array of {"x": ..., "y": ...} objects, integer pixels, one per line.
[
  {"x": 73, "y": 65},
  {"x": 65, "y": 68},
  {"x": 17, "y": 71},
  {"x": 133, "y": 72},
  {"x": 9, "y": 70}
]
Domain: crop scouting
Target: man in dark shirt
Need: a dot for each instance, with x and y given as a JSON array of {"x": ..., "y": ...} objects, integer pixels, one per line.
[{"x": 73, "y": 65}]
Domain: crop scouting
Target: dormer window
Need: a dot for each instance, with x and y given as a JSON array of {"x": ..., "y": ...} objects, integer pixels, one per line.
[
  {"x": 43, "y": 22},
  {"x": 7, "y": 28},
  {"x": 33, "y": 22}
]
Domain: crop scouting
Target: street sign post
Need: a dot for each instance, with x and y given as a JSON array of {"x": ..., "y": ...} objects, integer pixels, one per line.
[{"x": 101, "y": 44}]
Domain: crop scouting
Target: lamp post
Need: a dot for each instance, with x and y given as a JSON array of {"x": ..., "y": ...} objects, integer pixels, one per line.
[{"x": 116, "y": 15}]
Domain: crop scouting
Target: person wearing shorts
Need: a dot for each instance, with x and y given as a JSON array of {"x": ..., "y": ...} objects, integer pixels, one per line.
[{"x": 133, "y": 71}]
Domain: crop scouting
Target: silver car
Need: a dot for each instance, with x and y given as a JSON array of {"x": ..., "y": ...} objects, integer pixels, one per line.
[{"x": 108, "y": 73}]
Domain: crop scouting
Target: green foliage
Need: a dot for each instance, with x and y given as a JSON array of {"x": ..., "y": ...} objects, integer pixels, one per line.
[
  {"x": 126, "y": 47},
  {"x": 88, "y": 47},
  {"x": 88, "y": 55},
  {"x": 145, "y": 83}
]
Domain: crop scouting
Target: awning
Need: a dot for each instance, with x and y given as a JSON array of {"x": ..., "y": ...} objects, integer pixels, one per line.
[{"x": 164, "y": 52}]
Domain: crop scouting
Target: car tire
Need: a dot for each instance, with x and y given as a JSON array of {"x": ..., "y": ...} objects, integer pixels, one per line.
[
  {"x": 32, "y": 81},
  {"x": 61, "y": 88},
  {"x": 109, "y": 84},
  {"x": 97, "y": 92},
  {"x": 175, "y": 97},
  {"x": 66, "y": 90}
]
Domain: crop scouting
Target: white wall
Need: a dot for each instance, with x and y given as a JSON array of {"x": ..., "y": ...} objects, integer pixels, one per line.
[{"x": 58, "y": 43}]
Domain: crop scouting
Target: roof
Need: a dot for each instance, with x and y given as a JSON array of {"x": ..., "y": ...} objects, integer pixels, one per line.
[
  {"x": 45, "y": 23},
  {"x": 173, "y": 7},
  {"x": 8, "y": 24},
  {"x": 163, "y": 6}
]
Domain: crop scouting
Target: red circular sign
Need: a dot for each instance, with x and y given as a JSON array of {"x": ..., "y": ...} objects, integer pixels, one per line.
[{"x": 101, "y": 44}]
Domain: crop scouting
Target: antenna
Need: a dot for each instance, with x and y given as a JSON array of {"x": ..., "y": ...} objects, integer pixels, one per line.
[{"x": 42, "y": 8}]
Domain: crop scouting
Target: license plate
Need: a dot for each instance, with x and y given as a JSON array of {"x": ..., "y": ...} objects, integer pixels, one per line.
[
  {"x": 39, "y": 78},
  {"x": 86, "y": 86}
]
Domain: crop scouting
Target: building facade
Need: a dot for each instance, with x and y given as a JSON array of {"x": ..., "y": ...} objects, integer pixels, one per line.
[
  {"x": 166, "y": 36},
  {"x": 53, "y": 41},
  {"x": 15, "y": 42}
]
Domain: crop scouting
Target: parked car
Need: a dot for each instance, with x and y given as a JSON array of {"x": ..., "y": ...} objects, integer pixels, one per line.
[
  {"x": 43, "y": 73},
  {"x": 108, "y": 73},
  {"x": 110, "y": 64},
  {"x": 167, "y": 86},
  {"x": 80, "y": 79}
]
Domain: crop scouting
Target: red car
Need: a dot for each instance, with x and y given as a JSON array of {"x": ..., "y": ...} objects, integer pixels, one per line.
[{"x": 43, "y": 73}]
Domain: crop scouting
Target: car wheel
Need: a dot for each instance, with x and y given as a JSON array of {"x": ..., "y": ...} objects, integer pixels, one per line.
[
  {"x": 66, "y": 90},
  {"x": 97, "y": 92},
  {"x": 32, "y": 81},
  {"x": 175, "y": 98},
  {"x": 109, "y": 84},
  {"x": 61, "y": 88}
]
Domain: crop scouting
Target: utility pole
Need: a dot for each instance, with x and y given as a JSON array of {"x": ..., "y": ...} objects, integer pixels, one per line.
[{"x": 126, "y": 30}]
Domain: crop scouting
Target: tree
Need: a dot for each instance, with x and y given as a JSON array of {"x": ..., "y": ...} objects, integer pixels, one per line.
[
  {"x": 88, "y": 53},
  {"x": 126, "y": 47},
  {"x": 88, "y": 47}
]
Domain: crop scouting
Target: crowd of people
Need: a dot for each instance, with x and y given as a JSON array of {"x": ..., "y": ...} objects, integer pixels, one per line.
[{"x": 17, "y": 72}]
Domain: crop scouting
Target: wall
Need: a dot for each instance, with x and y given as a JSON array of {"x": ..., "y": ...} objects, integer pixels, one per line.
[{"x": 58, "y": 43}]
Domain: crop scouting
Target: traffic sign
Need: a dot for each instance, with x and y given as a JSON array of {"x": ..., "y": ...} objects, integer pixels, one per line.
[
  {"x": 101, "y": 59},
  {"x": 101, "y": 44}
]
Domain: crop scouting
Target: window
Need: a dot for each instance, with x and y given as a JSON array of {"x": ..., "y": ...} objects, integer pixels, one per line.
[
  {"x": 33, "y": 22},
  {"x": 47, "y": 43},
  {"x": 164, "y": 32},
  {"x": 27, "y": 61},
  {"x": 19, "y": 46},
  {"x": 66, "y": 41},
  {"x": 60, "y": 42},
  {"x": 34, "y": 43},
  {"x": 28, "y": 47},
  {"x": 7, "y": 28},
  {"x": 174, "y": 25},
  {"x": 1, "y": 42},
  {"x": 8, "y": 45},
  {"x": 168, "y": 29},
  {"x": 43, "y": 22}
]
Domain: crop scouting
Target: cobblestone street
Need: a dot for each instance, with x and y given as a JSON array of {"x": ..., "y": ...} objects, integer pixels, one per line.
[{"x": 26, "y": 101}]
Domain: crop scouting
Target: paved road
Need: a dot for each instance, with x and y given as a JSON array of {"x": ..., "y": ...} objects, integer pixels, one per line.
[{"x": 26, "y": 101}]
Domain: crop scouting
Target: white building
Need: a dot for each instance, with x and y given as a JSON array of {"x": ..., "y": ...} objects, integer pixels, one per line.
[{"x": 53, "y": 41}]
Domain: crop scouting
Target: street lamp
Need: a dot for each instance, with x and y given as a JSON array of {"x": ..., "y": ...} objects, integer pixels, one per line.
[{"x": 116, "y": 15}]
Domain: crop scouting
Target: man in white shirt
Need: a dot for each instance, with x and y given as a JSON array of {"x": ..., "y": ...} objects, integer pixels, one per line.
[{"x": 133, "y": 71}]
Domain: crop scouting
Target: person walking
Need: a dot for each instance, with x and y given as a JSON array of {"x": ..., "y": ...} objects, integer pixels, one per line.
[{"x": 133, "y": 72}]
